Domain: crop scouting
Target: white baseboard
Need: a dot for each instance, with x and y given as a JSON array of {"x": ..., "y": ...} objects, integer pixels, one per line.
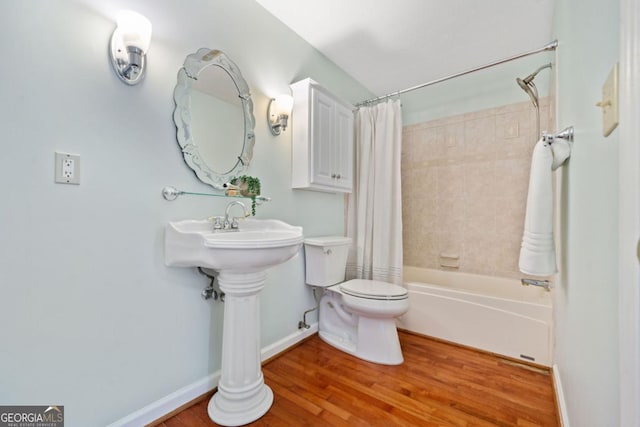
[
  {"x": 286, "y": 342},
  {"x": 562, "y": 404},
  {"x": 161, "y": 407}
]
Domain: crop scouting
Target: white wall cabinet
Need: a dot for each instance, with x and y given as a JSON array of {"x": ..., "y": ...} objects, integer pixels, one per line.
[{"x": 322, "y": 127}]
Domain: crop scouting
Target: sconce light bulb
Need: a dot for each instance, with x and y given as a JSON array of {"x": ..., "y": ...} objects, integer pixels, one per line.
[
  {"x": 135, "y": 30},
  {"x": 284, "y": 104},
  {"x": 129, "y": 45},
  {"x": 278, "y": 113}
]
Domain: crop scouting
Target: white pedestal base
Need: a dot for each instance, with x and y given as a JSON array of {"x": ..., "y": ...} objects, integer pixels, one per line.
[
  {"x": 242, "y": 395},
  {"x": 227, "y": 412}
]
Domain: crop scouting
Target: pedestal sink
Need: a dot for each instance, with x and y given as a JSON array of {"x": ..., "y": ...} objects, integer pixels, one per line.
[{"x": 241, "y": 259}]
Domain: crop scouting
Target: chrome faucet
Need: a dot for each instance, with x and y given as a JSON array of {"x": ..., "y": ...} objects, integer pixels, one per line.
[{"x": 233, "y": 225}]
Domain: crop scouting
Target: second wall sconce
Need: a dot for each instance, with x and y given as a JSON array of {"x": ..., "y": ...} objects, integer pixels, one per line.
[
  {"x": 278, "y": 113},
  {"x": 129, "y": 45}
]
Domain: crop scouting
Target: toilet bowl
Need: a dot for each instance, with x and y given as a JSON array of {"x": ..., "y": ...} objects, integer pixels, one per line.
[{"x": 357, "y": 316}]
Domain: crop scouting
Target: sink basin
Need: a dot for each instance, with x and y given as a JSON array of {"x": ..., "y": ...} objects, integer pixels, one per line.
[
  {"x": 258, "y": 245},
  {"x": 241, "y": 259}
]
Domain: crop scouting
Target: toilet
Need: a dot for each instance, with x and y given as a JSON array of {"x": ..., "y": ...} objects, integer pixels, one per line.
[{"x": 357, "y": 316}]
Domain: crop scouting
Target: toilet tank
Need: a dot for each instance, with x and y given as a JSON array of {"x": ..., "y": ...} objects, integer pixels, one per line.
[{"x": 326, "y": 259}]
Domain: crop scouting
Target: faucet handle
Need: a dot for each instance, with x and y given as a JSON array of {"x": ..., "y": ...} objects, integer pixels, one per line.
[
  {"x": 217, "y": 225},
  {"x": 234, "y": 223}
]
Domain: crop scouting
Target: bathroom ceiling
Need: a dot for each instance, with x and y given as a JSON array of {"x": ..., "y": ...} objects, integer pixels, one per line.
[{"x": 392, "y": 45}]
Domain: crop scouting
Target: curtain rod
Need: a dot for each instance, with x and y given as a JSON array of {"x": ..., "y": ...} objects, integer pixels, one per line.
[{"x": 551, "y": 46}]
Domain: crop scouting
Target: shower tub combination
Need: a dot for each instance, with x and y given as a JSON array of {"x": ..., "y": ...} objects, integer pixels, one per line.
[{"x": 493, "y": 314}]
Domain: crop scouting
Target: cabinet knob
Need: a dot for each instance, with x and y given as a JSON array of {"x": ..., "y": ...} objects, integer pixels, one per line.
[
  {"x": 333, "y": 175},
  {"x": 338, "y": 176}
]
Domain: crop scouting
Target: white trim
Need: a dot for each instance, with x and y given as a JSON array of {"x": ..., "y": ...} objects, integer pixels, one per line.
[
  {"x": 629, "y": 212},
  {"x": 173, "y": 401},
  {"x": 163, "y": 406},
  {"x": 562, "y": 404},
  {"x": 288, "y": 341}
]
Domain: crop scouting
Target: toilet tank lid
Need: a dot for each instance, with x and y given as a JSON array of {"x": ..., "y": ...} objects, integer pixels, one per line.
[{"x": 327, "y": 241}]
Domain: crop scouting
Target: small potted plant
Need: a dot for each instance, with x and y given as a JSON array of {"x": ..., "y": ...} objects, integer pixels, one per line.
[{"x": 248, "y": 186}]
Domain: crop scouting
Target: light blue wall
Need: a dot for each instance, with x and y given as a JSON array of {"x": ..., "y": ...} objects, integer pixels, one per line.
[
  {"x": 90, "y": 317},
  {"x": 586, "y": 348}
]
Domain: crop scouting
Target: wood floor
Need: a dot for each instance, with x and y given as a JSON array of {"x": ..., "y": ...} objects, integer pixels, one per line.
[{"x": 438, "y": 385}]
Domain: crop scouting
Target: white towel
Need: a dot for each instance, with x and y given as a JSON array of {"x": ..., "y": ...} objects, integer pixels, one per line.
[
  {"x": 561, "y": 151},
  {"x": 538, "y": 253}
]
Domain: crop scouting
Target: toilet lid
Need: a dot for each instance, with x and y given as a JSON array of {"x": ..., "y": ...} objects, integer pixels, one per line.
[{"x": 373, "y": 289}]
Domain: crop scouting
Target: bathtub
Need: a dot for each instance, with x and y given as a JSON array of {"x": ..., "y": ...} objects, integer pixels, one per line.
[{"x": 493, "y": 314}]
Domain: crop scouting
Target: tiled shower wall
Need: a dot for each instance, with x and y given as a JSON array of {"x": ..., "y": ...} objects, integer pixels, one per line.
[{"x": 465, "y": 181}]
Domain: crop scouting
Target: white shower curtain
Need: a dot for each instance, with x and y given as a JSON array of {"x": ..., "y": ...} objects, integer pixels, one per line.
[{"x": 375, "y": 206}]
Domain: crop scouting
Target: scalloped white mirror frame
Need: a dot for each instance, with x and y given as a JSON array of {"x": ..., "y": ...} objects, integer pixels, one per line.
[{"x": 182, "y": 115}]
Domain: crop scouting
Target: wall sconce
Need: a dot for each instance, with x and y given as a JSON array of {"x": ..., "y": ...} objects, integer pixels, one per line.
[
  {"x": 129, "y": 45},
  {"x": 278, "y": 113}
]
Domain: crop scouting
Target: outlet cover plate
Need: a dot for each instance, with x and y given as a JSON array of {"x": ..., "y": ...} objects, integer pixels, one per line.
[{"x": 67, "y": 168}]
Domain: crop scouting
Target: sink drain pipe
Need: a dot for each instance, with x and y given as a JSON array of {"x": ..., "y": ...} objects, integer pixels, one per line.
[{"x": 210, "y": 291}]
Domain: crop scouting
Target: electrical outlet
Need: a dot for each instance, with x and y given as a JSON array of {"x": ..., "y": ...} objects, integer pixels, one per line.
[{"x": 67, "y": 168}]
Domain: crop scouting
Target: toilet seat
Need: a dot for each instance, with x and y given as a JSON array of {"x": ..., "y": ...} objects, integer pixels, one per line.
[{"x": 373, "y": 289}]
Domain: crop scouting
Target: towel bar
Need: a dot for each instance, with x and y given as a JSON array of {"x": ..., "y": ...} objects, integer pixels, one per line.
[{"x": 566, "y": 134}]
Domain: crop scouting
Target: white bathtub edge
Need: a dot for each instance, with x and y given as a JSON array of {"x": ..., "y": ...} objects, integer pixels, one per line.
[
  {"x": 186, "y": 394},
  {"x": 562, "y": 404},
  {"x": 472, "y": 320}
]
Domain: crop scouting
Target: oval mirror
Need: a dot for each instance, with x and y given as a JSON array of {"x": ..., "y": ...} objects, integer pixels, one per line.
[{"x": 214, "y": 117}]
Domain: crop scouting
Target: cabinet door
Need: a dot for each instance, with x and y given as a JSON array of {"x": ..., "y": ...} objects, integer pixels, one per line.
[
  {"x": 322, "y": 125},
  {"x": 343, "y": 148}
]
